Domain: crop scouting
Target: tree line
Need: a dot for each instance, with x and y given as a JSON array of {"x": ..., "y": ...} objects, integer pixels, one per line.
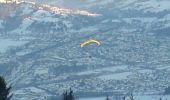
[{"x": 67, "y": 95}]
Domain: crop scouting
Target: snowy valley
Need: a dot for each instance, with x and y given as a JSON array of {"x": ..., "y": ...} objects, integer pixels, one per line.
[{"x": 41, "y": 55}]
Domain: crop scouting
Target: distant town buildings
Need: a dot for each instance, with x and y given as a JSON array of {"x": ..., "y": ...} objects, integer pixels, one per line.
[{"x": 8, "y": 1}]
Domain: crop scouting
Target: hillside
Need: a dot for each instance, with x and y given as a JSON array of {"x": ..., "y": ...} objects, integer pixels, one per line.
[{"x": 41, "y": 54}]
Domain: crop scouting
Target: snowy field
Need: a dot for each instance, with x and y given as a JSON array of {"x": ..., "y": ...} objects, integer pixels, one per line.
[
  {"x": 6, "y": 43},
  {"x": 145, "y": 97}
]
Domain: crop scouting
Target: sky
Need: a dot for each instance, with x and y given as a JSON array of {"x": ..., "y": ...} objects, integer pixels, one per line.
[{"x": 2, "y": 0}]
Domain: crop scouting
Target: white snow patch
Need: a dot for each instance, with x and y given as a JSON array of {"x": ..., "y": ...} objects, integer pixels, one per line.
[
  {"x": 151, "y": 97},
  {"x": 110, "y": 69},
  {"x": 41, "y": 13},
  {"x": 27, "y": 9},
  {"x": 116, "y": 21},
  {"x": 138, "y": 97},
  {"x": 41, "y": 71},
  {"x": 141, "y": 19},
  {"x": 24, "y": 52},
  {"x": 6, "y": 43},
  {"x": 145, "y": 71},
  {"x": 1, "y": 26},
  {"x": 97, "y": 98},
  {"x": 152, "y": 5},
  {"x": 26, "y": 23},
  {"x": 118, "y": 76}
]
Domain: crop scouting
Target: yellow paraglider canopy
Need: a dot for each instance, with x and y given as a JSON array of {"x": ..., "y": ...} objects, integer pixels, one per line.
[{"x": 88, "y": 42}]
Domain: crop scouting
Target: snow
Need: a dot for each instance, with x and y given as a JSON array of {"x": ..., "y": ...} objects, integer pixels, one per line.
[
  {"x": 116, "y": 21},
  {"x": 26, "y": 9},
  {"x": 6, "y": 43},
  {"x": 26, "y": 23},
  {"x": 155, "y": 6},
  {"x": 113, "y": 21},
  {"x": 91, "y": 28},
  {"x": 41, "y": 13},
  {"x": 167, "y": 17},
  {"x": 41, "y": 71},
  {"x": 145, "y": 71},
  {"x": 106, "y": 69},
  {"x": 105, "y": 21},
  {"x": 111, "y": 69},
  {"x": 33, "y": 89},
  {"x": 103, "y": 2},
  {"x": 97, "y": 2},
  {"x": 167, "y": 25},
  {"x": 23, "y": 27},
  {"x": 36, "y": 63},
  {"x": 45, "y": 19},
  {"x": 24, "y": 52},
  {"x": 97, "y": 98},
  {"x": 138, "y": 97},
  {"x": 118, "y": 76},
  {"x": 58, "y": 57},
  {"x": 142, "y": 19},
  {"x": 43, "y": 16},
  {"x": 167, "y": 67},
  {"x": 151, "y": 97},
  {"x": 126, "y": 2},
  {"x": 149, "y": 5},
  {"x": 68, "y": 24},
  {"x": 1, "y": 21}
]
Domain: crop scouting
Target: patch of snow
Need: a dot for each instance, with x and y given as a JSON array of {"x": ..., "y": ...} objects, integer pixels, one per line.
[
  {"x": 141, "y": 19},
  {"x": 1, "y": 26},
  {"x": 27, "y": 9},
  {"x": 97, "y": 98},
  {"x": 145, "y": 71},
  {"x": 26, "y": 23},
  {"x": 151, "y": 97},
  {"x": 21, "y": 53},
  {"x": 116, "y": 21},
  {"x": 6, "y": 43},
  {"x": 42, "y": 13},
  {"x": 138, "y": 97},
  {"x": 68, "y": 24},
  {"x": 118, "y": 76},
  {"x": 110, "y": 69},
  {"x": 41, "y": 71},
  {"x": 91, "y": 28},
  {"x": 151, "y": 5}
]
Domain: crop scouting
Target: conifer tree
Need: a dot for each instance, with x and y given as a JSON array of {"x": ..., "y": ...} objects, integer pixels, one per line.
[
  {"x": 71, "y": 95},
  {"x": 68, "y": 96},
  {"x": 160, "y": 98},
  {"x": 131, "y": 97},
  {"x": 124, "y": 97},
  {"x": 107, "y": 98},
  {"x": 65, "y": 95},
  {"x": 4, "y": 90}
]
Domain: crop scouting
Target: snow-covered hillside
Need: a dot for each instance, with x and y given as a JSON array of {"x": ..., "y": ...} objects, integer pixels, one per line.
[{"x": 45, "y": 58}]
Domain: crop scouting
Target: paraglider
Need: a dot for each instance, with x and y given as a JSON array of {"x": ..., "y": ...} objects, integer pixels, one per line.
[{"x": 88, "y": 42}]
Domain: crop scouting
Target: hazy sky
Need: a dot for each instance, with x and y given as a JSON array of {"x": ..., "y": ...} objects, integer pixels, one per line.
[{"x": 2, "y": 0}]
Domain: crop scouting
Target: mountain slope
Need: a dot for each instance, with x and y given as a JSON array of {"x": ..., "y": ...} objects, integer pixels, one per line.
[{"x": 133, "y": 56}]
